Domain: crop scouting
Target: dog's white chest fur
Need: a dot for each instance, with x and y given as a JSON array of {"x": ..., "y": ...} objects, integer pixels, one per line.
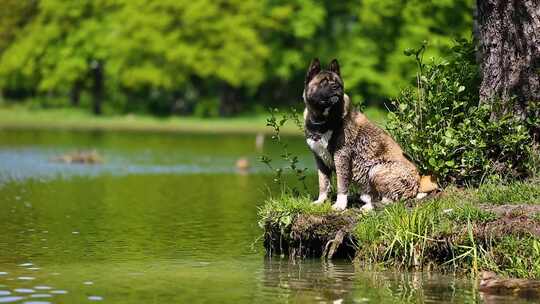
[{"x": 320, "y": 147}]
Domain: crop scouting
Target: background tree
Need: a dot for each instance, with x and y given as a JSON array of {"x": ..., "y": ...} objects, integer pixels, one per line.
[
  {"x": 213, "y": 57},
  {"x": 509, "y": 45},
  {"x": 59, "y": 50}
]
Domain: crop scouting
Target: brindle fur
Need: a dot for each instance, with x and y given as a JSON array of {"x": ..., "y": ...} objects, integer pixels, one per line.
[{"x": 362, "y": 152}]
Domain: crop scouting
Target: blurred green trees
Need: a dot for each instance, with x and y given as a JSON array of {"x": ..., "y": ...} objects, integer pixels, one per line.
[{"x": 212, "y": 57}]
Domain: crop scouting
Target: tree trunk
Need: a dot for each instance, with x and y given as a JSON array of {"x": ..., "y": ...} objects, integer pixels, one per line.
[
  {"x": 97, "y": 89},
  {"x": 229, "y": 101},
  {"x": 509, "y": 47},
  {"x": 75, "y": 94}
]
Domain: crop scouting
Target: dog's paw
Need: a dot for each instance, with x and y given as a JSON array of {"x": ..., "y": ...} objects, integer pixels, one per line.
[
  {"x": 338, "y": 207},
  {"x": 367, "y": 208},
  {"x": 318, "y": 201},
  {"x": 341, "y": 202},
  {"x": 321, "y": 199}
]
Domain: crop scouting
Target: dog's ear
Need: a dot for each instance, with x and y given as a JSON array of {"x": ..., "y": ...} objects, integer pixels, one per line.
[
  {"x": 334, "y": 67},
  {"x": 313, "y": 69}
]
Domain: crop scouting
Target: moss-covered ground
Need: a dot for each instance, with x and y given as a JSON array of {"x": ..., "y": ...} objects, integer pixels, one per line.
[{"x": 492, "y": 227}]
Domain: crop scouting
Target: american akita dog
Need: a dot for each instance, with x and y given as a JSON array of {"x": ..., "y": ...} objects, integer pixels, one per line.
[{"x": 344, "y": 141}]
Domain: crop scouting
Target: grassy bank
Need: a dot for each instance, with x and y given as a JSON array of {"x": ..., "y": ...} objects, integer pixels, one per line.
[
  {"x": 492, "y": 227},
  {"x": 20, "y": 117}
]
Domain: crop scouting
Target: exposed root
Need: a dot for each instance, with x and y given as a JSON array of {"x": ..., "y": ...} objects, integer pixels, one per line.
[{"x": 332, "y": 245}]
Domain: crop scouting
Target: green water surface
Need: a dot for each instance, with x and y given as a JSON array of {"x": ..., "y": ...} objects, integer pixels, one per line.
[{"x": 166, "y": 219}]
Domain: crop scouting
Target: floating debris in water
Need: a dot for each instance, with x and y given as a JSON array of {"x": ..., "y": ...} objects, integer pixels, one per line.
[
  {"x": 95, "y": 298},
  {"x": 59, "y": 291},
  {"x": 79, "y": 157},
  {"x": 3, "y": 273},
  {"x": 75, "y": 232},
  {"x": 88, "y": 283}
]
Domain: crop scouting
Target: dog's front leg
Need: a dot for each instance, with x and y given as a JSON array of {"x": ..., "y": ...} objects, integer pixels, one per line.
[
  {"x": 324, "y": 181},
  {"x": 342, "y": 161}
]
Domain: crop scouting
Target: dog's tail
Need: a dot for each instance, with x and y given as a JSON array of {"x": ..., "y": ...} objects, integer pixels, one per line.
[{"x": 428, "y": 183}]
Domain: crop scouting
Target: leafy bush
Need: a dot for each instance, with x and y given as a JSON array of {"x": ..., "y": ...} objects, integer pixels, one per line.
[
  {"x": 276, "y": 121},
  {"x": 444, "y": 128},
  {"x": 207, "y": 107}
]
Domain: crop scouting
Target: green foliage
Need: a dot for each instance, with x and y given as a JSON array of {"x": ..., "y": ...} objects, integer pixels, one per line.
[
  {"x": 445, "y": 130},
  {"x": 276, "y": 122},
  {"x": 167, "y": 56},
  {"x": 207, "y": 107}
]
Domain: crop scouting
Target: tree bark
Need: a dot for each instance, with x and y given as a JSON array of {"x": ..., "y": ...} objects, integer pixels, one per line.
[
  {"x": 75, "y": 94},
  {"x": 229, "y": 101},
  {"x": 98, "y": 85},
  {"x": 509, "y": 47}
]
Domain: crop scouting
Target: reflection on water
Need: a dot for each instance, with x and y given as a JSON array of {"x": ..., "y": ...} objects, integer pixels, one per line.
[
  {"x": 78, "y": 234},
  {"x": 25, "y": 154}
]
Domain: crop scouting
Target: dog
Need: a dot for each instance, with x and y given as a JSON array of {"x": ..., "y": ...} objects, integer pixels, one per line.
[{"x": 344, "y": 141}]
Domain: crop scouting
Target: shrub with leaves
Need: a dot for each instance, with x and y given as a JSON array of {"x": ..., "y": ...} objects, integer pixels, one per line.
[
  {"x": 276, "y": 121},
  {"x": 444, "y": 128}
]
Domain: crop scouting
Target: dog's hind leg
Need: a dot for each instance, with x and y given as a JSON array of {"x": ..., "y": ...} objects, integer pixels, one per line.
[
  {"x": 393, "y": 181},
  {"x": 368, "y": 205},
  {"x": 367, "y": 197}
]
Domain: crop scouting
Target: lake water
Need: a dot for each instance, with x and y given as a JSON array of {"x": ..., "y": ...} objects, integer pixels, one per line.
[{"x": 166, "y": 219}]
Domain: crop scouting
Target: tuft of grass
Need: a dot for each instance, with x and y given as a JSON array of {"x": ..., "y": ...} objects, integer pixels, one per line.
[
  {"x": 282, "y": 209},
  {"x": 446, "y": 231},
  {"x": 517, "y": 257},
  {"x": 399, "y": 235},
  {"x": 517, "y": 192},
  {"x": 513, "y": 193},
  {"x": 470, "y": 213}
]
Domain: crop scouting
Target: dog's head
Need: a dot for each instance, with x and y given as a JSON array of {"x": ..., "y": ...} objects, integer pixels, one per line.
[{"x": 323, "y": 89}]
